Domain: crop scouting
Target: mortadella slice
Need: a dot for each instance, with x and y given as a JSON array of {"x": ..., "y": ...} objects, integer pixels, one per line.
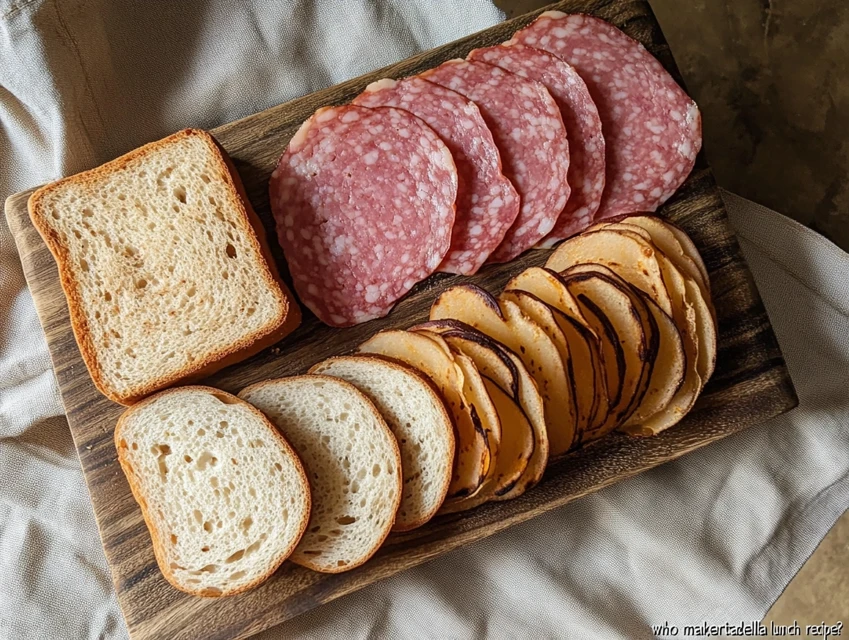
[
  {"x": 363, "y": 200},
  {"x": 651, "y": 126},
  {"x": 487, "y": 203}
]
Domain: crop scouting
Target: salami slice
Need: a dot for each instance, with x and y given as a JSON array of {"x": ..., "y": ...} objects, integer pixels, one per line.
[
  {"x": 583, "y": 127},
  {"x": 487, "y": 203},
  {"x": 529, "y": 132},
  {"x": 652, "y": 128},
  {"x": 363, "y": 200}
]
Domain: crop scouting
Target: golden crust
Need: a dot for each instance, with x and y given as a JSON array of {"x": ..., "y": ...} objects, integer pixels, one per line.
[
  {"x": 400, "y": 478},
  {"x": 158, "y": 545},
  {"x": 287, "y": 321}
]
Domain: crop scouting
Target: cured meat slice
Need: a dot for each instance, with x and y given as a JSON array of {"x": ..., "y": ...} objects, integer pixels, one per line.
[
  {"x": 529, "y": 132},
  {"x": 583, "y": 127},
  {"x": 487, "y": 203},
  {"x": 363, "y": 200},
  {"x": 652, "y": 128}
]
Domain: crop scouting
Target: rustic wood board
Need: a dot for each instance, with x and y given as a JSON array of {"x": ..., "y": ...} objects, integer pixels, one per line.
[{"x": 751, "y": 383}]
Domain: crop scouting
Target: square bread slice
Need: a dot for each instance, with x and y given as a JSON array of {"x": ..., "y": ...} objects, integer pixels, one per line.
[{"x": 164, "y": 264}]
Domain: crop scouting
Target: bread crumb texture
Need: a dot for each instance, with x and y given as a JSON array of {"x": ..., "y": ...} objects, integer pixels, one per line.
[
  {"x": 224, "y": 497},
  {"x": 352, "y": 464},
  {"x": 162, "y": 267}
]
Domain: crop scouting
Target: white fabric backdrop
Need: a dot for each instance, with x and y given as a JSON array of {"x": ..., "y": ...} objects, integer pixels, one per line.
[{"x": 714, "y": 536}]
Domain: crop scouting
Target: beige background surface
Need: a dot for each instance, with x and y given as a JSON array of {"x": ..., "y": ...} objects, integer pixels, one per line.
[{"x": 772, "y": 80}]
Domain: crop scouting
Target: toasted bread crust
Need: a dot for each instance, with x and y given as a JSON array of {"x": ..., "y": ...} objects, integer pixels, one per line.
[
  {"x": 286, "y": 322},
  {"x": 445, "y": 419},
  {"x": 388, "y": 527},
  {"x": 135, "y": 487}
]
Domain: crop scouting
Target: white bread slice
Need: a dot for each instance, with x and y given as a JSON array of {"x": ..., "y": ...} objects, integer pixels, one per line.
[
  {"x": 352, "y": 462},
  {"x": 164, "y": 265},
  {"x": 223, "y": 494},
  {"x": 418, "y": 419}
]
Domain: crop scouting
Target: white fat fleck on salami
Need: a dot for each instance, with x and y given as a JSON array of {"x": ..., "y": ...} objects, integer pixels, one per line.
[
  {"x": 487, "y": 203},
  {"x": 360, "y": 223},
  {"x": 651, "y": 126},
  {"x": 528, "y": 131},
  {"x": 583, "y": 127}
]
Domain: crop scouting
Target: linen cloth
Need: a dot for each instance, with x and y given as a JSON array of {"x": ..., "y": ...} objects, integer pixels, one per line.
[{"x": 713, "y": 536}]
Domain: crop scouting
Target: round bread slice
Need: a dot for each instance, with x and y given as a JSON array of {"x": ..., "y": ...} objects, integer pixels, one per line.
[
  {"x": 223, "y": 494},
  {"x": 417, "y": 417},
  {"x": 352, "y": 462}
]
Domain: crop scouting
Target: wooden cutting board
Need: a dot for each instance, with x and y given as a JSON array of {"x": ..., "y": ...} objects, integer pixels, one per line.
[{"x": 750, "y": 385}]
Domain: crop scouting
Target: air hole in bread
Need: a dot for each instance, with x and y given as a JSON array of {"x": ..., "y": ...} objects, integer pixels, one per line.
[
  {"x": 278, "y": 466},
  {"x": 235, "y": 557},
  {"x": 231, "y": 251},
  {"x": 223, "y": 424},
  {"x": 135, "y": 446},
  {"x": 355, "y": 487},
  {"x": 234, "y": 461},
  {"x": 205, "y": 549},
  {"x": 212, "y": 591},
  {"x": 206, "y": 458},
  {"x": 311, "y": 552},
  {"x": 180, "y": 194},
  {"x": 225, "y": 275},
  {"x": 130, "y": 252},
  {"x": 87, "y": 213},
  {"x": 191, "y": 292},
  {"x": 187, "y": 458},
  {"x": 214, "y": 482},
  {"x": 341, "y": 563},
  {"x": 205, "y": 178},
  {"x": 174, "y": 566},
  {"x": 207, "y": 526},
  {"x": 210, "y": 568},
  {"x": 173, "y": 539},
  {"x": 252, "y": 492},
  {"x": 55, "y": 214},
  {"x": 246, "y": 524},
  {"x": 83, "y": 265},
  {"x": 251, "y": 311},
  {"x": 77, "y": 234},
  {"x": 236, "y": 575},
  {"x": 187, "y": 332},
  {"x": 219, "y": 434},
  {"x": 346, "y": 520}
]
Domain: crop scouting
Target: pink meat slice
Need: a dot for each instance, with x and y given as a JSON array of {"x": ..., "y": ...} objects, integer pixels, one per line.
[
  {"x": 651, "y": 126},
  {"x": 583, "y": 126},
  {"x": 363, "y": 200},
  {"x": 487, "y": 203},
  {"x": 529, "y": 132}
]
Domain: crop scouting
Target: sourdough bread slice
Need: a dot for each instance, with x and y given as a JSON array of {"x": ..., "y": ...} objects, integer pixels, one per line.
[
  {"x": 417, "y": 417},
  {"x": 223, "y": 494},
  {"x": 164, "y": 265},
  {"x": 352, "y": 462}
]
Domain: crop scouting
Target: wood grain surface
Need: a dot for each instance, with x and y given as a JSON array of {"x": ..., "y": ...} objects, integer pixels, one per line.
[{"x": 750, "y": 385}]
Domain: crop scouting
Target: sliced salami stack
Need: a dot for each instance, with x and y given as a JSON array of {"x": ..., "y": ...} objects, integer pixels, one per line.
[
  {"x": 476, "y": 161},
  {"x": 652, "y": 128},
  {"x": 528, "y": 129},
  {"x": 583, "y": 126}
]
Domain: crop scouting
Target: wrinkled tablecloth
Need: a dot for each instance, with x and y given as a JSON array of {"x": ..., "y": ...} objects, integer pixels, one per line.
[{"x": 713, "y": 536}]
